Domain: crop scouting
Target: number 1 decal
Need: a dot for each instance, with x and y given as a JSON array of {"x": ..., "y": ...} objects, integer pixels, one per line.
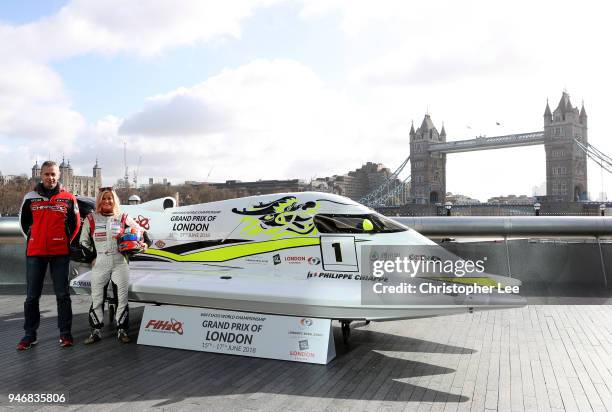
[{"x": 337, "y": 251}]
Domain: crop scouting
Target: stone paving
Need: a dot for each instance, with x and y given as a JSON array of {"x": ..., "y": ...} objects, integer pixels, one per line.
[{"x": 537, "y": 358}]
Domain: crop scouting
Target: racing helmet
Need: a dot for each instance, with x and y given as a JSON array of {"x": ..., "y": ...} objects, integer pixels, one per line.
[{"x": 130, "y": 243}]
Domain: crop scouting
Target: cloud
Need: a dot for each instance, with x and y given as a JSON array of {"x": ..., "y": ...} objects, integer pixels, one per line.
[
  {"x": 260, "y": 97},
  {"x": 470, "y": 62},
  {"x": 180, "y": 114},
  {"x": 34, "y": 105},
  {"x": 400, "y": 68},
  {"x": 113, "y": 26},
  {"x": 261, "y": 120},
  {"x": 477, "y": 62},
  {"x": 37, "y": 118},
  {"x": 394, "y": 42}
]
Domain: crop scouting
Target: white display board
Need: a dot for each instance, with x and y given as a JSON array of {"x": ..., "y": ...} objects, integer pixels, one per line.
[{"x": 238, "y": 333}]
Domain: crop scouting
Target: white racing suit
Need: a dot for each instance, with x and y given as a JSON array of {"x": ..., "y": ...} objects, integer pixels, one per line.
[{"x": 109, "y": 265}]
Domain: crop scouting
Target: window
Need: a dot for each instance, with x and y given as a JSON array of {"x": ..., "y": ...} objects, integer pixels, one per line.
[
  {"x": 558, "y": 153},
  {"x": 354, "y": 224}
]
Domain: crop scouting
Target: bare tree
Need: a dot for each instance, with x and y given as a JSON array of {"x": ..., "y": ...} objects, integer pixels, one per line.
[{"x": 11, "y": 194}]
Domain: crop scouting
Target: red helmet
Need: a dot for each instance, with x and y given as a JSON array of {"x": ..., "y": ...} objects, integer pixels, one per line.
[{"x": 130, "y": 243}]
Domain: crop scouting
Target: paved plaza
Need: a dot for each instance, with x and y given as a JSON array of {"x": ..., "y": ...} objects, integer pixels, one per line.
[{"x": 540, "y": 357}]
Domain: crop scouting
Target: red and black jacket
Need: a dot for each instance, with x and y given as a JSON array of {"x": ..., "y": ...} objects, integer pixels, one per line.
[{"x": 50, "y": 220}]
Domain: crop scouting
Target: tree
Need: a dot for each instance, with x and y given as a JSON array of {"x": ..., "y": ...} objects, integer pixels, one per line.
[{"x": 11, "y": 194}]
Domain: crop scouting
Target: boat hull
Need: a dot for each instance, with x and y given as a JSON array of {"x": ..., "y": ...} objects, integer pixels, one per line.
[{"x": 213, "y": 287}]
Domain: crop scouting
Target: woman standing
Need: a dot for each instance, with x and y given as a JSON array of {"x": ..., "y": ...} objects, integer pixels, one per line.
[{"x": 101, "y": 230}]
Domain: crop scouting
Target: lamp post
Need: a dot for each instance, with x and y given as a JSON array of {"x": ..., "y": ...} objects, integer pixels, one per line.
[
  {"x": 448, "y": 206},
  {"x": 536, "y": 207},
  {"x": 602, "y": 209}
]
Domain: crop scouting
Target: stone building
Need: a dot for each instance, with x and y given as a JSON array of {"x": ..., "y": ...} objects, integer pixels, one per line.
[
  {"x": 77, "y": 185},
  {"x": 428, "y": 170},
  {"x": 260, "y": 187},
  {"x": 5, "y": 179},
  {"x": 355, "y": 184},
  {"x": 358, "y": 183},
  {"x": 566, "y": 163},
  {"x": 459, "y": 199},
  {"x": 513, "y": 199}
]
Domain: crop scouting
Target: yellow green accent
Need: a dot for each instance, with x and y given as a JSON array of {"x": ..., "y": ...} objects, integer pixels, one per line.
[
  {"x": 482, "y": 281},
  {"x": 253, "y": 225},
  {"x": 367, "y": 225},
  {"x": 230, "y": 252}
]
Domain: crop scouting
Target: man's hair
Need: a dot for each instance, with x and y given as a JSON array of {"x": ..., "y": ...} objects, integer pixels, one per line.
[{"x": 48, "y": 163}]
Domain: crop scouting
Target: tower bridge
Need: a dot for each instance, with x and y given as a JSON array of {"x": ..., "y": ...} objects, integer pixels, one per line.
[{"x": 564, "y": 138}]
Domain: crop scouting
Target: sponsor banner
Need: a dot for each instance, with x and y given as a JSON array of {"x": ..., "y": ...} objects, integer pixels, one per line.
[
  {"x": 311, "y": 260},
  {"x": 238, "y": 333}
]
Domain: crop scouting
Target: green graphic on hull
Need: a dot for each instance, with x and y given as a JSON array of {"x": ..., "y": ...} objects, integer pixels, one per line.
[
  {"x": 230, "y": 252},
  {"x": 284, "y": 217}
]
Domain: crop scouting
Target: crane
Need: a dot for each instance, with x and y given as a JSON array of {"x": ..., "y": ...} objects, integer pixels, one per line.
[
  {"x": 136, "y": 172},
  {"x": 126, "y": 176}
]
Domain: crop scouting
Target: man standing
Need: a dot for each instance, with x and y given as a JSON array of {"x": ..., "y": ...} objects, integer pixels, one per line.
[{"x": 49, "y": 219}]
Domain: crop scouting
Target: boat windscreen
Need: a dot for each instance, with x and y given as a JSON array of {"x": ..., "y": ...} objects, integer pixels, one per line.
[{"x": 369, "y": 223}]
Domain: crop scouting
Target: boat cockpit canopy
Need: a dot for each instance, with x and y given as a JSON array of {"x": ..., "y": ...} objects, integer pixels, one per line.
[{"x": 367, "y": 223}]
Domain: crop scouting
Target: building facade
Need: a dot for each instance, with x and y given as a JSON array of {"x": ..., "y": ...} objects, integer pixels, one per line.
[
  {"x": 566, "y": 163},
  {"x": 355, "y": 184},
  {"x": 261, "y": 187},
  {"x": 512, "y": 199},
  {"x": 360, "y": 182},
  {"x": 4, "y": 179},
  {"x": 428, "y": 170}
]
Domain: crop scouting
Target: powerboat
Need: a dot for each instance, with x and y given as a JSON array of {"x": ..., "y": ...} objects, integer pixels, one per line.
[{"x": 305, "y": 254}]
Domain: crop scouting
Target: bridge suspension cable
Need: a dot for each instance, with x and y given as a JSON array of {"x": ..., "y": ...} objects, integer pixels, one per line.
[
  {"x": 599, "y": 157},
  {"x": 395, "y": 190},
  {"x": 601, "y": 154},
  {"x": 388, "y": 188}
]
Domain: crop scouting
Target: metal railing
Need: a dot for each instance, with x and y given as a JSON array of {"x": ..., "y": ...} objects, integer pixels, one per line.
[
  {"x": 460, "y": 225},
  {"x": 509, "y": 225}
]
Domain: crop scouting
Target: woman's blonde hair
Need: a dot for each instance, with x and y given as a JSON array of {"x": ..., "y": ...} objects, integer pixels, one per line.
[{"x": 116, "y": 204}]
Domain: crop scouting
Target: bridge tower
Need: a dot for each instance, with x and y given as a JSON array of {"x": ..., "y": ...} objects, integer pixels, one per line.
[
  {"x": 566, "y": 163},
  {"x": 428, "y": 170}
]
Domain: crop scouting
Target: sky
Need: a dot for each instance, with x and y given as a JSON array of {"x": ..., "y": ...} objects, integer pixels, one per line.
[{"x": 273, "y": 89}]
